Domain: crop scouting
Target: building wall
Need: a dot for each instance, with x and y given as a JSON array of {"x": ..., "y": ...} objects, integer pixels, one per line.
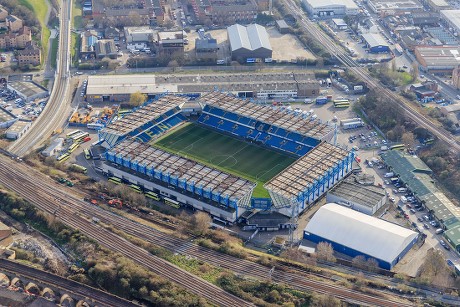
[
  {"x": 368, "y": 209},
  {"x": 14, "y": 135},
  {"x": 243, "y": 54},
  {"x": 456, "y": 77},
  {"x": 348, "y": 251},
  {"x": 195, "y": 203}
]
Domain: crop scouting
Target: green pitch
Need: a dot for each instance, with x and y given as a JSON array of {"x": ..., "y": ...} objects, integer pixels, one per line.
[{"x": 226, "y": 153}]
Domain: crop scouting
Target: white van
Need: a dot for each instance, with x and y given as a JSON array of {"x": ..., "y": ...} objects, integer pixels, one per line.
[
  {"x": 439, "y": 231},
  {"x": 402, "y": 190},
  {"x": 403, "y": 199}
]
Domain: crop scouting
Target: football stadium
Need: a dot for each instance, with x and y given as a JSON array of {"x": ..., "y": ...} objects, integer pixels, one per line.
[{"x": 233, "y": 157}]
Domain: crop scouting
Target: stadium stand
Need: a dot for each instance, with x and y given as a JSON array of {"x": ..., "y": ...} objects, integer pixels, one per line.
[
  {"x": 146, "y": 122},
  {"x": 232, "y": 115},
  {"x": 220, "y": 189}
]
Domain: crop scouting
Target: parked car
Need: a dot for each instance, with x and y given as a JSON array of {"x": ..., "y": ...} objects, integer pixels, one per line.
[{"x": 426, "y": 226}]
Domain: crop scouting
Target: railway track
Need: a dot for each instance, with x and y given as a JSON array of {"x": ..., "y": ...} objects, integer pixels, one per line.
[
  {"x": 66, "y": 285},
  {"x": 371, "y": 82},
  {"x": 70, "y": 213},
  {"x": 58, "y": 104},
  {"x": 49, "y": 197}
]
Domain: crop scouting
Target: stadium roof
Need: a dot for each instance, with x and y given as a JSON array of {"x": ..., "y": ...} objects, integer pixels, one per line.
[
  {"x": 288, "y": 120},
  {"x": 306, "y": 171},
  {"x": 143, "y": 115},
  {"x": 250, "y": 37},
  {"x": 369, "y": 235},
  {"x": 453, "y": 16},
  {"x": 366, "y": 195},
  {"x": 349, "y": 4},
  {"x": 374, "y": 39},
  {"x": 184, "y": 169}
]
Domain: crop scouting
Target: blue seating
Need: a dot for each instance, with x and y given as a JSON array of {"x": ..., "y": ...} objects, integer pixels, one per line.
[
  {"x": 231, "y": 116},
  {"x": 244, "y": 120},
  {"x": 217, "y": 112}
]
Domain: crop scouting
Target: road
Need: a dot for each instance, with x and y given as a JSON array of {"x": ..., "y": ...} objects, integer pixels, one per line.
[
  {"x": 48, "y": 196},
  {"x": 58, "y": 106},
  {"x": 410, "y": 110},
  {"x": 63, "y": 284}
]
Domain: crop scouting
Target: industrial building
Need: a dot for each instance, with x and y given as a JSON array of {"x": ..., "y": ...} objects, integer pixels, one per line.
[
  {"x": 394, "y": 7},
  {"x": 367, "y": 199},
  {"x": 170, "y": 42},
  {"x": 437, "y": 5},
  {"x": 251, "y": 85},
  {"x": 452, "y": 19},
  {"x": 249, "y": 42},
  {"x": 456, "y": 77},
  {"x": 282, "y": 26},
  {"x": 375, "y": 42},
  {"x": 353, "y": 233},
  {"x": 18, "y": 129},
  {"x": 416, "y": 176},
  {"x": 206, "y": 48},
  {"x": 28, "y": 90},
  {"x": 438, "y": 59},
  {"x": 319, "y": 167},
  {"x": 53, "y": 148},
  {"x": 6, "y": 118},
  {"x": 330, "y": 8},
  {"x": 351, "y": 123}
]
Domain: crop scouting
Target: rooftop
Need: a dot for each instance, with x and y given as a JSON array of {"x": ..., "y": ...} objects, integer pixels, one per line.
[
  {"x": 367, "y": 195},
  {"x": 306, "y": 170},
  {"x": 453, "y": 16},
  {"x": 440, "y": 56},
  {"x": 366, "y": 234},
  {"x": 6, "y": 116},
  {"x": 120, "y": 84},
  {"x": 275, "y": 117},
  {"x": 397, "y": 5},
  {"x": 18, "y": 126},
  {"x": 250, "y": 37},
  {"x": 349, "y": 4},
  {"x": 184, "y": 169},
  {"x": 374, "y": 39},
  {"x": 28, "y": 89}
]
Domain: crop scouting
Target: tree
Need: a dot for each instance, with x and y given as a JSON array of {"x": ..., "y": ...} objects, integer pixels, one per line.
[
  {"x": 414, "y": 71},
  {"x": 359, "y": 262},
  {"x": 200, "y": 223},
  {"x": 325, "y": 251},
  {"x": 408, "y": 139},
  {"x": 325, "y": 301},
  {"x": 137, "y": 98}
]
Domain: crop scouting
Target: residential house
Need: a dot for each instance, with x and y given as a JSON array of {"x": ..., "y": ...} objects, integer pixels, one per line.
[
  {"x": 14, "y": 23},
  {"x": 31, "y": 55}
]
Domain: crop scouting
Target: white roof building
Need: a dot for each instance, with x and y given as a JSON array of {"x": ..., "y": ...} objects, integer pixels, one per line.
[
  {"x": 452, "y": 17},
  {"x": 249, "y": 41},
  {"x": 325, "y": 8},
  {"x": 354, "y": 233}
]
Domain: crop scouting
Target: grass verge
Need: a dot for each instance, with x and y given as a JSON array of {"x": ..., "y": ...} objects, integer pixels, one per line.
[
  {"x": 40, "y": 8},
  {"x": 54, "y": 49}
]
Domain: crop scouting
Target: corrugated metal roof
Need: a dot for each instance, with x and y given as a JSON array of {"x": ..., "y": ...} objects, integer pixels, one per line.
[
  {"x": 251, "y": 37},
  {"x": 366, "y": 234},
  {"x": 374, "y": 40}
]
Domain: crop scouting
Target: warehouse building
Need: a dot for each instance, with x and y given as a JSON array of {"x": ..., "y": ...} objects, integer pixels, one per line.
[
  {"x": 250, "y": 42},
  {"x": 367, "y": 199},
  {"x": 281, "y": 85},
  {"x": 353, "y": 233},
  {"x": 55, "y": 147},
  {"x": 438, "y": 59},
  {"x": 452, "y": 19},
  {"x": 28, "y": 90},
  {"x": 6, "y": 235},
  {"x": 330, "y": 8},
  {"x": 6, "y": 118},
  {"x": 416, "y": 176},
  {"x": 18, "y": 129},
  {"x": 351, "y": 123},
  {"x": 375, "y": 42},
  {"x": 394, "y": 7},
  {"x": 437, "y": 5}
]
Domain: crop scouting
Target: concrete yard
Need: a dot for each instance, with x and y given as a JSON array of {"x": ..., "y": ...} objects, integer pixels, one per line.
[{"x": 278, "y": 41}]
